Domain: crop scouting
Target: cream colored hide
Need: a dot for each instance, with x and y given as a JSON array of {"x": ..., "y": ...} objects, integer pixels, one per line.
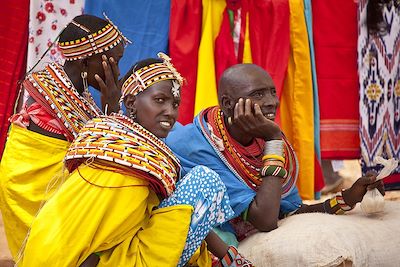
[{"x": 354, "y": 239}]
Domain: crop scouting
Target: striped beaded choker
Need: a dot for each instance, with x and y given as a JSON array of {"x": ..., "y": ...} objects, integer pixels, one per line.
[
  {"x": 94, "y": 43},
  {"x": 145, "y": 77},
  {"x": 118, "y": 142}
]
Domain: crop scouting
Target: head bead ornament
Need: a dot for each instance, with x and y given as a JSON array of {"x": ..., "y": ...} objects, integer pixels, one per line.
[
  {"x": 146, "y": 76},
  {"x": 94, "y": 43}
]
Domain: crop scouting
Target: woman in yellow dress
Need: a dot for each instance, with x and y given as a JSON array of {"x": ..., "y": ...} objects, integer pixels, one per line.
[
  {"x": 59, "y": 104},
  {"x": 124, "y": 199}
]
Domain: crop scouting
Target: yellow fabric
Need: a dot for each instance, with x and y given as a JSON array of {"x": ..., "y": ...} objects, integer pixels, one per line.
[
  {"x": 297, "y": 100},
  {"x": 201, "y": 257},
  {"x": 247, "y": 57},
  {"x": 159, "y": 243},
  {"x": 82, "y": 218},
  {"x": 206, "y": 86},
  {"x": 30, "y": 161}
]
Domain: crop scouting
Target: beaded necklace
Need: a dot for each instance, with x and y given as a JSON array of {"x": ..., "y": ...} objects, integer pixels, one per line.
[
  {"x": 245, "y": 168},
  {"x": 119, "y": 142},
  {"x": 53, "y": 90},
  {"x": 251, "y": 173}
]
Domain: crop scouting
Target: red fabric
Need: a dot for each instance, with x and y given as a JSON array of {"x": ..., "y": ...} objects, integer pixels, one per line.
[
  {"x": 224, "y": 53},
  {"x": 184, "y": 42},
  {"x": 269, "y": 37},
  {"x": 245, "y": 10},
  {"x": 393, "y": 180},
  {"x": 39, "y": 116},
  {"x": 335, "y": 43},
  {"x": 14, "y": 15}
]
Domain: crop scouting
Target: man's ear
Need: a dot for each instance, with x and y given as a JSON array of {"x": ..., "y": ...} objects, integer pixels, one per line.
[
  {"x": 227, "y": 105},
  {"x": 130, "y": 103}
]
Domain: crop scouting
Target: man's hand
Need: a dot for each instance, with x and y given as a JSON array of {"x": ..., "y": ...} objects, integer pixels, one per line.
[
  {"x": 356, "y": 192},
  {"x": 110, "y": 88},
  {"x": 250, "y": 119}
]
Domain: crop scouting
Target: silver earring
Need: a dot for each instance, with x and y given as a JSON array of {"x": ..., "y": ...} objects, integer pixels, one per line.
[
  {"x": 132, "y": 116},
  {"x": 86, "y": 92},
  {"x": 230, "y": 120}
]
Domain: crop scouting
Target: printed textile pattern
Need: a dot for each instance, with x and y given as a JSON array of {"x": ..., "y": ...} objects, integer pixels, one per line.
[
  {"x": 379, "y": 77},
  {"x": 47, "y": 19},
  {"x": 206, "y": 193}
]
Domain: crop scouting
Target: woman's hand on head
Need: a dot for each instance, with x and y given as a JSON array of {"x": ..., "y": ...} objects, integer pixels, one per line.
[
  {"x": 251, "y": 120},
  {"x": 109, "y": 87},
  {"x": 356, "y": 192}
]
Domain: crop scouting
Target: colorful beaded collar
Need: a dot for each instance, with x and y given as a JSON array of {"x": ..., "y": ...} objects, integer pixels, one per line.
[
  {"x": 117, "y": 141},
  {"x": 52, "y": 89}
]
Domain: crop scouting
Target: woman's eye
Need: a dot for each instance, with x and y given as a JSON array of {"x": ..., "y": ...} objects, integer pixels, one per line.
[{"x": 159, "y": 100}]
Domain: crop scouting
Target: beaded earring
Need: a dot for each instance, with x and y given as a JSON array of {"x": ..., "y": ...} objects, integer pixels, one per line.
[{"x": 86, "y": 92}]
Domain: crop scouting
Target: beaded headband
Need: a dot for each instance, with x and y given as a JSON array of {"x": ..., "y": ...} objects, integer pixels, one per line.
[
  {"x": 145, "y": 77},
  {"x": 98, "y": 42}
]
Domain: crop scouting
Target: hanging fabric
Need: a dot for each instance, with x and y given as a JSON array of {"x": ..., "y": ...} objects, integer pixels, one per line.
[
  {"x": 297, "y": 100},
  {"x": 319, "y": 179},
  {"x": 184, "y": 42},
  {"x": 13, "y": 49},
  {"x": 206, "y": 86},
  {"x": 335, "y": 33},
  {"x": 379, "y": 78}
]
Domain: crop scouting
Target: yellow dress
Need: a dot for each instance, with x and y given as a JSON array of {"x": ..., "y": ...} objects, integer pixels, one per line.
[
  {"x": 30, "y": 161},
  {"x": 97, "y": 209}
]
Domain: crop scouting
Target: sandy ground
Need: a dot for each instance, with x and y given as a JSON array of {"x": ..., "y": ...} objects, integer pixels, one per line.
[
  {"x": 350, "y": 173},
  {"x": 5, "y": 256}
]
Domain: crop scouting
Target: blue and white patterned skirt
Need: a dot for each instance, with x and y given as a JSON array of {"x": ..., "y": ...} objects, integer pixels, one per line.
[{"x": 203, "y": 189}]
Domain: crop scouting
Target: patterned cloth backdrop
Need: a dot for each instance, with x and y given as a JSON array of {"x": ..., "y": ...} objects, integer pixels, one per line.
[
  {"x": 379, "y": 74},
  {"x": 47, "y": 19}
]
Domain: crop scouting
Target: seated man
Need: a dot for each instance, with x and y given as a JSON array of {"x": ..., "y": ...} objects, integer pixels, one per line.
[{"x": 241, "y": 142}]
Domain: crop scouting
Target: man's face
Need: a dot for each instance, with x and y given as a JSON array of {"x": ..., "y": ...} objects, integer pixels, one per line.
[
  {"x": 157, "y": 108},
  {"x": 260, "y": 89}
]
